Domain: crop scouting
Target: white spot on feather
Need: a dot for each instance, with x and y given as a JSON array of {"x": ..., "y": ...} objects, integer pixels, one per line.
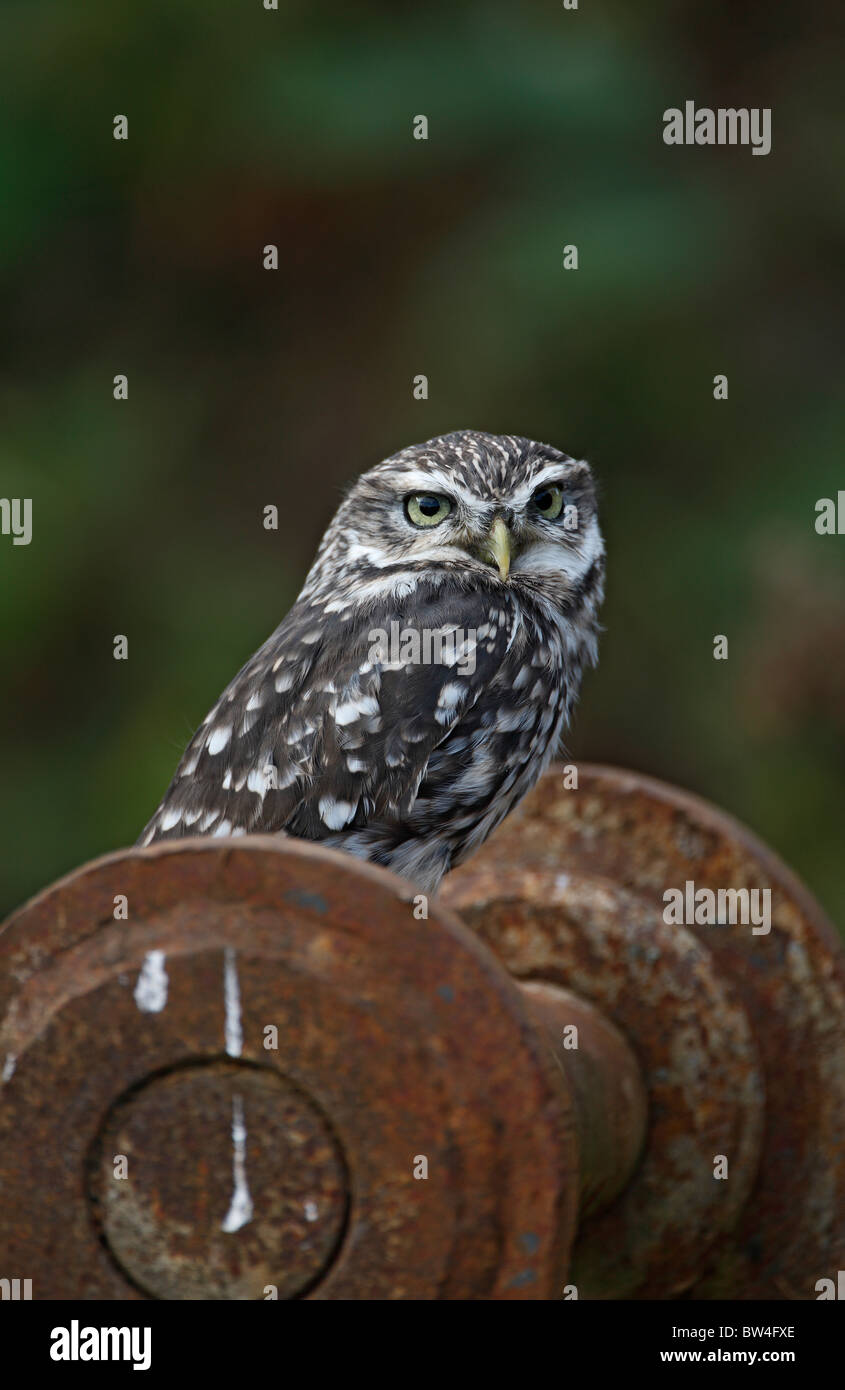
[
  {"x": 451, "y": 694},
  {"x": 219, "y": 738},
  {"x": 263, "y": 779},
  {"x": 336, "y": 814},
  {"x": 351, "y": 710}
]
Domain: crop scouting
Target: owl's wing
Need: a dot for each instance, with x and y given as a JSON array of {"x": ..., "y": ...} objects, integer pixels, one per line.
[{"x": 327, "y": 728}]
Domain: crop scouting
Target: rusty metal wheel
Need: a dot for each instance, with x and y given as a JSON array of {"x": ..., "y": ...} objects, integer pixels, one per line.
[
  {"x": 153, "y": 1144},
  {"x": 571, "y": 888}
]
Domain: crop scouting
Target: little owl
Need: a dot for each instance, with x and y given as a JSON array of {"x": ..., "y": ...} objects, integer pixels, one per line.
[{"x": 419, "y": 685}]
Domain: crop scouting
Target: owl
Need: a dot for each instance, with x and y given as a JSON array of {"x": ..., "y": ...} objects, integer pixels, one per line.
[{"x": 420, "y": 683}]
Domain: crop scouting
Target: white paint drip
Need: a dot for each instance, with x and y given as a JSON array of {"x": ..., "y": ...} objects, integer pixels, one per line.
[
  {"x": 9, "y": 1066},
  {"x": 240, "y": 1208},
  {"x": 151, "y": 989},
  {"x": 232, "y": 1004}
]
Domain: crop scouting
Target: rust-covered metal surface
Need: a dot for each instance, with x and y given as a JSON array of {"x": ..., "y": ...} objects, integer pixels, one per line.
[
  {"x": 698, "y": 1060},
  {"x": 731, "y": 1028},
  {"x": 151, "y": 1144},
  {"x": 607, "y": 1086}
]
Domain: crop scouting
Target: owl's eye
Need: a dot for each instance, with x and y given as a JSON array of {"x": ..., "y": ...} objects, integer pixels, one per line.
[
  {"x": 548, "y": 500},
  {"x": 427, "y": 508}
]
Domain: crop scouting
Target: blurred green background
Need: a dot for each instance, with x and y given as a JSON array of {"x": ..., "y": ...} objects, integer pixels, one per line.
[{"x": 399, "y": 257}]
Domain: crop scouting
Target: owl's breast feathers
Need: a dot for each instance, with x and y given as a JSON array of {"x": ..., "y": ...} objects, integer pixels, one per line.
[{"x": 405, "y": 754}]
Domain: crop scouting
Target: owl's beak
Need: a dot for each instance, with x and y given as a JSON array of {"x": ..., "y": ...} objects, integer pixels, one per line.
[{"x": 499, "y": 545}]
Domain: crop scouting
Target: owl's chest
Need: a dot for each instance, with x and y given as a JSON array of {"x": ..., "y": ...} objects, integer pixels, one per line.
[
  {"x": 503, "y": 742},
  {"x": 527, "y": 699}
]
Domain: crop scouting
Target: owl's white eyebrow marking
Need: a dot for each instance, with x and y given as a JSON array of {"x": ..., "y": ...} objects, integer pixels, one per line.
[
  {"x": 424, "y": 480},
  {"x": 219, "y": 738},
  {"x": 336, "y": 814}
]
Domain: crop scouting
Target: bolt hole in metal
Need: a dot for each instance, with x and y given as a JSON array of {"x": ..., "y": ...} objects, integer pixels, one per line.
[{"x": 215, "y": 1179}]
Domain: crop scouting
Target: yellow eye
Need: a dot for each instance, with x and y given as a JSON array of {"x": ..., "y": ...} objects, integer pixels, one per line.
[
  {"x": 427, "y": 508},
  {"x": 548, "y": 500}
]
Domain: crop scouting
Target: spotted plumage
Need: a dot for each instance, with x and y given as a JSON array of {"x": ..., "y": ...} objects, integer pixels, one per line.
[{"x": 420, "y": 683}]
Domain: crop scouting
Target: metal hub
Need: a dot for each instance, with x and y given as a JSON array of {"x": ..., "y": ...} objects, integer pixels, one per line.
[{"x": 221, "y": 1181}]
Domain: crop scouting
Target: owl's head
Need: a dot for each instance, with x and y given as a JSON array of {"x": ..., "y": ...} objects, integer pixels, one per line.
[{"x": 499, "y": 506}]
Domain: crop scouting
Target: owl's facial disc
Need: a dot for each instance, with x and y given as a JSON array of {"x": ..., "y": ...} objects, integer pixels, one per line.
[
  {"x": 505, "y": 508},
  {"x": 493, "y": 533}
]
